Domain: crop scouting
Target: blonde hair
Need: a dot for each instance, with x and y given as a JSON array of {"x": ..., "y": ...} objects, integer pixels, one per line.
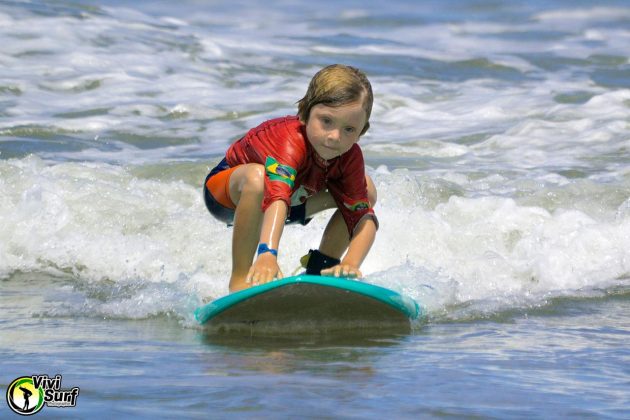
[{"x": 337, "y": 85}]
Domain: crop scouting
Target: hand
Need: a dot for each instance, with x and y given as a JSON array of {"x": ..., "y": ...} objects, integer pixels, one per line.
[
  {"x": 343, "y": 270},
  {"x": 264, "y": 270}
]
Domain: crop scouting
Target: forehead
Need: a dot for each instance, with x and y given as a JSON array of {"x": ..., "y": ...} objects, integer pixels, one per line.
[{"x": 351, "y": 113}]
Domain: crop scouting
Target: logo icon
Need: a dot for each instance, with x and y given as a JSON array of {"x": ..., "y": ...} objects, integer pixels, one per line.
[
  {"x": 27, "y": 395},
  {"x": 23, "y": 397}
]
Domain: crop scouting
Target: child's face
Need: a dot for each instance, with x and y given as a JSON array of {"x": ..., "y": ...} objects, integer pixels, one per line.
[{"x": 333, "y": 130}]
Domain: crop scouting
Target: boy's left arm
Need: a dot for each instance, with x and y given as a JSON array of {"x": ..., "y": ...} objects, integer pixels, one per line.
[
  {"x": 360, "y": 244},
  {"x": 350, "y": 191}
]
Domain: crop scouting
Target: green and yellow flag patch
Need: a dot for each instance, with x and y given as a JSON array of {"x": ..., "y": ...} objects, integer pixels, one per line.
[
  {"x": 357, "y": 205},
  {"x": 278, "y": 172}
]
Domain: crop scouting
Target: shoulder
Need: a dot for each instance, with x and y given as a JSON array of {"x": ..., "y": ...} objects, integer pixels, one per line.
[
  {"x": 348, "y": 167},
  {"x": 352, "y": 159},
  {"x": 289, "y": 123},
  {"x": 285, "y": 139},
  {"x": 354, "y": 151},
  {"x": 282, "y": 128}
]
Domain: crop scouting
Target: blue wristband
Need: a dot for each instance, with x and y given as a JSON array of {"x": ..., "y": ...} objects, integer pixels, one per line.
[{"x": 262, "y": 248}]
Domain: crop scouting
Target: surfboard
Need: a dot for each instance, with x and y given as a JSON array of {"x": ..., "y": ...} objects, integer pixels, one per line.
[{"x": 309, "y": 304}]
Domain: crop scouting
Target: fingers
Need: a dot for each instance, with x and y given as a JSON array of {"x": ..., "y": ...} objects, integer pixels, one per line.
[
  {"x": 343, "y": 270},
  {"x": 250, "y": 275},
  {"x": 262, "y": 273}
]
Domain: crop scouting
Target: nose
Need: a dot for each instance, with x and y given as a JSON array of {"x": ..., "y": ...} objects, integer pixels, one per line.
[{"x": 333, "y": 135}]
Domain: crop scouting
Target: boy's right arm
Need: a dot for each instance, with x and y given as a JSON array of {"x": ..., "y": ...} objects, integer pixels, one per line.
[
  {"x": 265, "y": 267},
  {"x": 283, "y": 153}
]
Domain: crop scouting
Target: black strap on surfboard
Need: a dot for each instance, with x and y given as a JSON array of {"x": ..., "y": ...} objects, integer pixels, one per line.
[{"x": 317, "y": 262}]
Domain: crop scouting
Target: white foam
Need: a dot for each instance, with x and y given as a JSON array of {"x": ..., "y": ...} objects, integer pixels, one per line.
[
  {"x": 559, "y": 16},
  {"x": 490, "y": 248},
  {"x": 98, "y": 222},
  {"x": 420, "y": 148}
]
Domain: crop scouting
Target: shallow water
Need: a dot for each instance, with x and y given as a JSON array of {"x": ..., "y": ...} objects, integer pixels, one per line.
[
  {"x": 499, "y": 143},
  {"x": 566, "y": 359}
]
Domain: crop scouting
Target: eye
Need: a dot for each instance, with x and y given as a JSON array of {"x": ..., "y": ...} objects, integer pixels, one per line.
[
  {"x": 326, "y": 120},
  {"x": 350, "y": 130}
]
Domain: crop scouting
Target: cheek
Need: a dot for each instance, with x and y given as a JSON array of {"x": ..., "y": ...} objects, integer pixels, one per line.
[
  {"x": 352, "y": 138},
  {"x": 312, "y": 133},
  {"x": 314, "y": 130},
  {"x": 309, "y": 128}
]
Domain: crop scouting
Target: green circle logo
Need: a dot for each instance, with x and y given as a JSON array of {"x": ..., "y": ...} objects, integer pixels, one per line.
[{"x": 23, "y": 398}]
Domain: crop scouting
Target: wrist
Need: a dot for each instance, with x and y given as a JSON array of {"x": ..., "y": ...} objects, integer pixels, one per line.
[
  {"x": 264, "y": 248},
  {"x": 350, "y": 262}
]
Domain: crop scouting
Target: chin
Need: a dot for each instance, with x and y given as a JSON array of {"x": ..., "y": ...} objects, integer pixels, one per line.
[{"x": 327, "y": 154}]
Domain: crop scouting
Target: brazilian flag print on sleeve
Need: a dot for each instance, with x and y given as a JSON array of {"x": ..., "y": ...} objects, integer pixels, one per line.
[{"x": 279, "y": 172}]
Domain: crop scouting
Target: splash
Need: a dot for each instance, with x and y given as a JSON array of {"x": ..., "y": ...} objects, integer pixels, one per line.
[{"x": 138, "y": 246}]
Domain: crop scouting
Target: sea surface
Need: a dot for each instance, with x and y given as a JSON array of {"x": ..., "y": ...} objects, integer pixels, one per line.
[{"x": 499, "y": 144}]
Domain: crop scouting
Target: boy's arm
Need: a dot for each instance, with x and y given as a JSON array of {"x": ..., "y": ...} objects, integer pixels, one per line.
[
  {"x": 266, "y": 268},
  {"x": 360, "y": 245}
]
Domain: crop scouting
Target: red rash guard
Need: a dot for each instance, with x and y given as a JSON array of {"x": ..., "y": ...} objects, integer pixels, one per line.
[{"x": 294, "y": 171}]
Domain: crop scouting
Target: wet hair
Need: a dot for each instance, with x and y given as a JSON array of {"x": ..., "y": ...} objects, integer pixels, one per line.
[{"x": 337, "y": 85}]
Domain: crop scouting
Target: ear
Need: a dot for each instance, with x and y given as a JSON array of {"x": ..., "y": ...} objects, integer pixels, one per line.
[
  {"x": 366, "y": 127},
  {"x": 301, "y": 117}
]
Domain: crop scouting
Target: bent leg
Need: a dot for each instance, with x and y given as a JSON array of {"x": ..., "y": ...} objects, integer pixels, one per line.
[
  {"x": 246, "y": 191},
  {"x": 336, "y": 239}
]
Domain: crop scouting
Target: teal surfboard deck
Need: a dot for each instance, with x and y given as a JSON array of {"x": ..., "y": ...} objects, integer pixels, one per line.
[{"x": 309, "y": 304}]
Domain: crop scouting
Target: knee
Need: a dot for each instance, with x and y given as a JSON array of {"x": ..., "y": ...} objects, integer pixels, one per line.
[
  {"x": 371, "y": 188},
  {"x": 254, "y": 179}
]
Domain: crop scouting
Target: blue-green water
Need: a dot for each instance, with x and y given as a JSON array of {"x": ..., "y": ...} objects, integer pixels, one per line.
[{"x": 500, "y": 146}]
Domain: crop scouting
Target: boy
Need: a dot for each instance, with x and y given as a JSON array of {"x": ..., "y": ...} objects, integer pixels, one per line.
[{"x": 287, "y": 169}]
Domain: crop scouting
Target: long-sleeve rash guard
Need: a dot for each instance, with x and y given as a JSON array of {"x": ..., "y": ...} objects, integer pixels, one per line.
[{"x": 294, "y": 171}]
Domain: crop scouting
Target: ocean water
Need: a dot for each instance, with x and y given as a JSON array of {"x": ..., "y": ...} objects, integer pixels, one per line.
[{"x": 500, "y": 147}]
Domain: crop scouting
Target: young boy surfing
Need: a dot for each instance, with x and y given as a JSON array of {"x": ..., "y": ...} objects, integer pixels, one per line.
[{"x": 287, "y": 169}]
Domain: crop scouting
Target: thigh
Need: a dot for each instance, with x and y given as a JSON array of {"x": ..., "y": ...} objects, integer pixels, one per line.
[
  {"x": 218, "y": 186},
  {"x": 323, "y": 200}
]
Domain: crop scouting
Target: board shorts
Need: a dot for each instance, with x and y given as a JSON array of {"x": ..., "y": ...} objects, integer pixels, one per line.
[{"x": 216, "y": 194}]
